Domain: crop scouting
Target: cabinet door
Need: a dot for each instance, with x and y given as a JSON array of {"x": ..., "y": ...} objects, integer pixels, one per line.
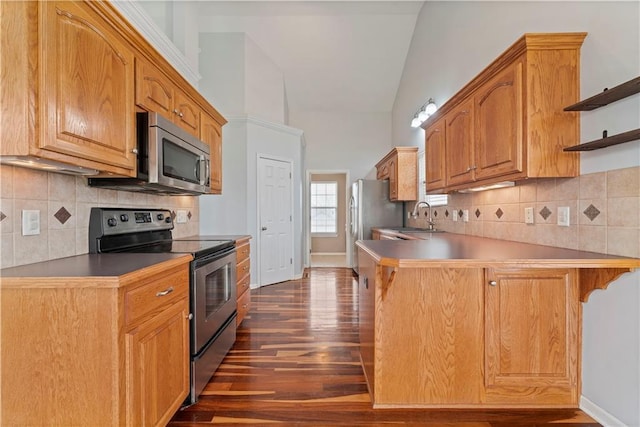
[
  {"x": 435, "y": 156},
  {"x": 187, "y": 114},
  {"x": 154, "y": 92},
  {"x": 532, "y": 336},
  {"x": 459, "y": 140},
  {"x": 366, "y": 315},
  {"x": 158, "y": 366},
  {"x": 87, "y": 86},
  {"x": 211, "y": 133},
  {"x": 498, "y": 111},
  {"x": 392, "y": 166}
]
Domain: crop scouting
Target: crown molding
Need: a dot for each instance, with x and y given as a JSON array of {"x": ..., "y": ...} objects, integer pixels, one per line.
[
  {"x": 247, "y": 119},
  {"x": 145, "y": 25}
]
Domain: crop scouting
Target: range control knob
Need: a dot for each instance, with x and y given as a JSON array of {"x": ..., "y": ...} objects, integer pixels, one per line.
[
  {"x": 160, "y": 217},
  {"x": 124, "y": 217},
  {"x": 167, "y": 219},
  {"x": 112, "y": 222}
]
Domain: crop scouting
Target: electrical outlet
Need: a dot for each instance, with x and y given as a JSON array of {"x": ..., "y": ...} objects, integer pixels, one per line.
[
  {"x": 181, "y": 216},
  {"x": 528, "y": 215},
  {"x": 454, "y": 215},
  {"x": 30, "y": 222},
  {"x": 563, "y": 216},
  {"x": 465, "y": 215}
]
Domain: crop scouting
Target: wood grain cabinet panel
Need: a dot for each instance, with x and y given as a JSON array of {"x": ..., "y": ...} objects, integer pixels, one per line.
[
  {"x": 499, "y": 119},
  {"x": 471, "y": 337},
  {"x": 532, "y": 334},
  {"x": 508, "y": 123},
  {"x": 400, "y": 167},
  {"x": 243, "y": 260},
  {"x": 68, "y": 82},
  {"x": 82, "y": 352},
  {"x": 435, "y": 159},
  {"x": 211, "y": 133},
  {"x": 460, "y": 150}
]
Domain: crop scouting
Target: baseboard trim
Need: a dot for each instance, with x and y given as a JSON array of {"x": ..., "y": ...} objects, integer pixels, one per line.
[
  {"x": 599, "y": 414},
  {"x": 329, "y": 253}
]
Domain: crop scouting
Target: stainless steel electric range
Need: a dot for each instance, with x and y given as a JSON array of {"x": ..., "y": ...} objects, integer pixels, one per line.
[{"x": 212, "y": 295}]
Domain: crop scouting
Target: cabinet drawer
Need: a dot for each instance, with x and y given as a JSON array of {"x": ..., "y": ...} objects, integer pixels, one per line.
[
  {"x": 242, "y": 252},
  {"x": 244, "y": 304},
  {"x": 242, "y": 269},
  {"x": 155, "y": 295},
  {"x": 243, "y": 285}
]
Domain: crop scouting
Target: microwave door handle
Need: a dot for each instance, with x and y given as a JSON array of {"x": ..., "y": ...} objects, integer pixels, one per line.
[
  {"x": 207, "y": 173},
  {"x": 196, "y": 169}
]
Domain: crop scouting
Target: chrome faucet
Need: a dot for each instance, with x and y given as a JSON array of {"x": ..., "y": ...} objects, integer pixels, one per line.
[{"x": 415, "y": 214}]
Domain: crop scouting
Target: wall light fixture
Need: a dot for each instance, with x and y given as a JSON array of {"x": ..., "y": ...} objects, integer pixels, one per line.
[{"x": 423, "y": 113}]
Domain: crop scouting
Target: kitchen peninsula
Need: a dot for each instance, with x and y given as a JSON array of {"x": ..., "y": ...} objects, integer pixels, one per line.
[{"x": 451, "y": 320}]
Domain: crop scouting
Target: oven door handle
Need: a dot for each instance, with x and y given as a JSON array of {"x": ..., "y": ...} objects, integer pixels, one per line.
[{"x": 165, "y": 292}]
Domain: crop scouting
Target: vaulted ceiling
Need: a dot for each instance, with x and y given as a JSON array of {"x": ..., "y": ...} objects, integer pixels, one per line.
[{"x": 337, "y": 56}]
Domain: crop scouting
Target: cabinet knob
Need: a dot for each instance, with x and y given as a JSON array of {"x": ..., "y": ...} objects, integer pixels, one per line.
[
  {"x": 134, "y": 151},
  {"x": 190, "y": 316},
  {"x": 264, "y": 228},
  {"x": 180, "y": 114},
  {"x": 365, "y": 280},
  {"x": 493, "y": 283}
]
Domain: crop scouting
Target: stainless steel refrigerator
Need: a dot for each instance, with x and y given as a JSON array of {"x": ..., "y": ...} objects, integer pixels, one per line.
[{"x": 369, "y": 207}]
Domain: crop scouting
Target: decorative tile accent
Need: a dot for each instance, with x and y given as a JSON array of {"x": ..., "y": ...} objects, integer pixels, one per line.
[
  {"x": 62, "y": 215},
  {"x": 460, "y": 213},
  {"x": 499, "y": 213},
  {"x": 545, "y": 212},
  {"x": 477, "y": 213},
  {"x": 2, "y": 216},
  {"x": 446, "y": 213},
  {"x": 189, "y": 215},
  {"x": 435, "y": 213},
  {"x": 591, "y": 212}
]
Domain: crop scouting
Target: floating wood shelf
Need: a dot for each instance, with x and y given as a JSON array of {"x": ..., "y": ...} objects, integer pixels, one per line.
[
  {"x": 606, "y": 141},
  {"x": 607, "y": 96}
]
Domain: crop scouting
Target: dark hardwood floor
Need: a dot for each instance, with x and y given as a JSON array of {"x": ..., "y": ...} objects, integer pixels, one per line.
[{"x": 295, "y": 362}]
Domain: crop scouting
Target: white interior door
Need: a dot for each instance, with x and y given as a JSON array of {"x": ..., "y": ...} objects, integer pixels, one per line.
[{"x": 275, "y": 220}]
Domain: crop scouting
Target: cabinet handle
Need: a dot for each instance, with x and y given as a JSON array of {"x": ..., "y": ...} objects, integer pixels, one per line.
[
  {"x": 365, "y": 280},
  {"x": 493, "y": 283},
  {"x": 165, "y": 292},
  {"x": 175, "y": 111},
  {"x": 245, "y": 268},
  {"x": 180, "y": 114},
  {"x": 244, "y": 305}
]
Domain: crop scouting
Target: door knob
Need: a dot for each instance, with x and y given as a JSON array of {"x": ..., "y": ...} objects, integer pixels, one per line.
[{"x": 264, "y": 228}]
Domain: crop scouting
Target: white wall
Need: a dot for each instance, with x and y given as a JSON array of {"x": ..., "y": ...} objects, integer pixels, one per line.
[
  {"x": 265, "y": 96},
  {"x": 453, "y": 42},
  {"x": 344, "y": 141},
  {"x": 239, "y": 79}
]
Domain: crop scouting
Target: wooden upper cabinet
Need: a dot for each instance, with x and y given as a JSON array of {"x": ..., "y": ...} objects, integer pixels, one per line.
[
  {"x": 211, "y": 133},
  {"x": 155, "y": 92},
  {"x": 508, "y": 123},
  {"x": 531, "y": 336},
  {"x": 86, "y": 84},
  {"x": 435, "y": 165},
  {"x": 499, "y": 115},
  {"x": 400, "y": 167}
]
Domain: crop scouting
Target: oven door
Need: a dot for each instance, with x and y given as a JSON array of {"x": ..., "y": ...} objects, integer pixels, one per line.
[{"x": 213, "y": 296}]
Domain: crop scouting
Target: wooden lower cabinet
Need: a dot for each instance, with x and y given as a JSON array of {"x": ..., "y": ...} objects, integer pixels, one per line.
[
  {"x": 469, "y": 337},
  {"x": 243, "y": 278},
  {"x": 96, "y": 351}
]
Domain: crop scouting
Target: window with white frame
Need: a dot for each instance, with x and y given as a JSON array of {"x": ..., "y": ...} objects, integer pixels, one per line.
[
  {"x": 432, "y": 199},
  {"x": 324, "y": 207}
]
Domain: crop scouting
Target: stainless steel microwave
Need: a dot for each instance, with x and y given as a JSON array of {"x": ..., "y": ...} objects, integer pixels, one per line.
[{"x": 169, "y": 160}]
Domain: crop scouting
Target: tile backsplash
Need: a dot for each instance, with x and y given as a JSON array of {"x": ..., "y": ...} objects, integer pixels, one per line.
[
  {"x": 604, "y": 212},
  {"x": 64, "y": 202}
]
